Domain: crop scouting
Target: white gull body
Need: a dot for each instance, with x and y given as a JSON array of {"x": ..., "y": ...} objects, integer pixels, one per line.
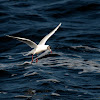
[{"x": 36, "y": 49}]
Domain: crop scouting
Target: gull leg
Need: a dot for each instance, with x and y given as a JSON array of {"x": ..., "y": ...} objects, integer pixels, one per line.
[
  {"x": 32, "y": 59},
  {"x": 36, "y": 59}
]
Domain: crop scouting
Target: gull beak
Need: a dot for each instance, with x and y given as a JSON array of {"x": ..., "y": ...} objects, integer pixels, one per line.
[{"x": 50, "y": 50}]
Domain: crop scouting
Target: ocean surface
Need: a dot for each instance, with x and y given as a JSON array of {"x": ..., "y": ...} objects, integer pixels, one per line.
[{"x": 72, "y": 71}]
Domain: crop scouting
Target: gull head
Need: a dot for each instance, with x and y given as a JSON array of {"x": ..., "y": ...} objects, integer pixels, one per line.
[{"x": 49, "y": 48}]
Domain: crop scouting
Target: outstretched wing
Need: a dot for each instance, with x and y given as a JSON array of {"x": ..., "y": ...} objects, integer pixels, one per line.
[
  {"x": 24, "y": 40},
  {"x": 43, "y": 41}
]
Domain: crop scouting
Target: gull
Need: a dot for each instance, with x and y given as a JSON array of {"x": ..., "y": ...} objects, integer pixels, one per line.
[{"x": 36, "y": 49}]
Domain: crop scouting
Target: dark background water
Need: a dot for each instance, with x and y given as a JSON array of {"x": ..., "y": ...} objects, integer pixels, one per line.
[{"x": 72, "y": 72}]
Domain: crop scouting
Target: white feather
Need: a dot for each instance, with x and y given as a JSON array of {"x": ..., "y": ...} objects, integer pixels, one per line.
[
  {"x": 43, "y": 41},
  {"x": 24, "y": 40}
]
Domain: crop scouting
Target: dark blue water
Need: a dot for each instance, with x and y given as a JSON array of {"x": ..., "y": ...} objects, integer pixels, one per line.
[{"x": 72, "y": 71}]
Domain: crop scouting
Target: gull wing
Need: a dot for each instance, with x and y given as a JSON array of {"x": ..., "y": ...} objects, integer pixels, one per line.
[
  {"x": 24, "y": 40},
  {"x": 43, "y": 54},
  {"x": 43, "y": 41}
]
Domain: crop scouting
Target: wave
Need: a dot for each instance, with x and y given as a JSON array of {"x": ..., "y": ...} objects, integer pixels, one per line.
[
  {"x": 48, "y": 80},
  {"x": 4, "y": 73},
  {"x": 72, "y": 70},
  {"x": 87, "y": 48},
  {"x": 33, "y": 17},
  {"x": 70, "y": 8}
]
